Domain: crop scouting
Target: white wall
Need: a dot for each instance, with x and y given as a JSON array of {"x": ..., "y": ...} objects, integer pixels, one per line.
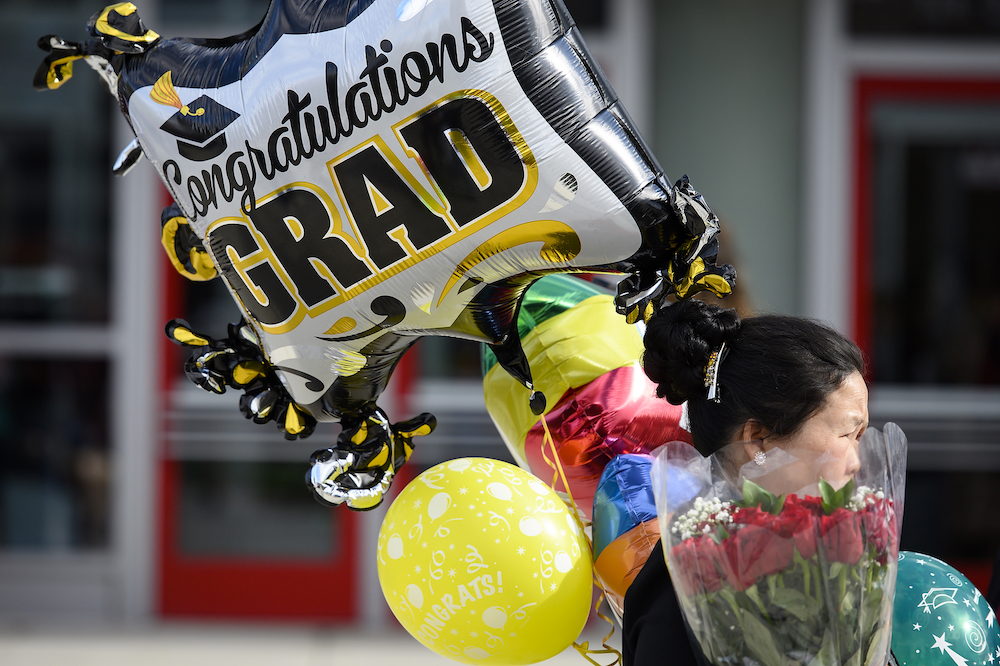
[{"x": 727, "y": 109}]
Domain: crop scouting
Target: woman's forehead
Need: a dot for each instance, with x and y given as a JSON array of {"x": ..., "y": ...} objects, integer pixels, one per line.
[{"x": 849, "y": 402}]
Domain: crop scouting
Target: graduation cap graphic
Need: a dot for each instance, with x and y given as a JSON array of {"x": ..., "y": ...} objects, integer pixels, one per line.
[{"x": 199, "y": 126}]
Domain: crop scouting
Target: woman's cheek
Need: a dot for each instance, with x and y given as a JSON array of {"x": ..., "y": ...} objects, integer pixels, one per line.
[
  {"x": 838, "y": 448},
  {"x": 835, "y": 470}
]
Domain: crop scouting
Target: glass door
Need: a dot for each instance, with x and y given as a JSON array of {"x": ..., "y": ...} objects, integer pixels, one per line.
[
  {"x": 240, "y": 534},
  {"x": 56, "y": 337},
  {"x": 927, "y": 303}
]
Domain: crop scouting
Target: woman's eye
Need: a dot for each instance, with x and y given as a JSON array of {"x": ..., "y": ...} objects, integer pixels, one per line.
[{"x": 856, "y": 433}]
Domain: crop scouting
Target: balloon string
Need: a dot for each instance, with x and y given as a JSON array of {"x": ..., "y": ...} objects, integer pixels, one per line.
[
  {"x": 559, "y": 473},
  {"x": 584, "y": 648},
  {"x": 546, "y": 438},
  {"x": 604, "y": 641},
  {"x": 585, "y": 652}
]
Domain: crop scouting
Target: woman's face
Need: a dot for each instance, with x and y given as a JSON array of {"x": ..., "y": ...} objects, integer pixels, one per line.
[{"x": 826, "y": 446}]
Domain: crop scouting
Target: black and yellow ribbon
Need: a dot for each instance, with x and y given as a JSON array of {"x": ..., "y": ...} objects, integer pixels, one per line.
[
  {"x": 119, "y": 27},
  {"x": 185, "y": 251}
]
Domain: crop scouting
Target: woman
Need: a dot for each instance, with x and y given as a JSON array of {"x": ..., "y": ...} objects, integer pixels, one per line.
[{"x": 775, "y": 383}]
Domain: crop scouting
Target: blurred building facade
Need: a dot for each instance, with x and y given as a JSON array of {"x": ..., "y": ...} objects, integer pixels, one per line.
[{"x": 850, "y": 147}]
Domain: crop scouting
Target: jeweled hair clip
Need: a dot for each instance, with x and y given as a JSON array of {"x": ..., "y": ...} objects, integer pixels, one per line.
[{"x": 712, "y": 373}]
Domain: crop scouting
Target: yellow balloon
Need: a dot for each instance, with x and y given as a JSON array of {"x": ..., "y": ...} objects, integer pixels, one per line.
[{"x": 483, "y": 563}]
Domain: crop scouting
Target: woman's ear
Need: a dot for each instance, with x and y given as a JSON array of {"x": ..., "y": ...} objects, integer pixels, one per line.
[
  {"x": 752, "y": 435},
  {"x": 753, "y": 429}
]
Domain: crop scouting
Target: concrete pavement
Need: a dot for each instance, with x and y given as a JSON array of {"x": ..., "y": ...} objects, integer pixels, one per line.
[{"x": 181, "y": 644}]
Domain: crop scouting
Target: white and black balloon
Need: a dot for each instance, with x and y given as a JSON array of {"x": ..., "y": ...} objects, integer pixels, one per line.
[{"x": 365, "y": 172}]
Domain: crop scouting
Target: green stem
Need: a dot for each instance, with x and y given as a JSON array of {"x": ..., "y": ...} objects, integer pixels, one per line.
[
  {"x": 842, "y": 583},
  {"x": 805, "y": 576}
]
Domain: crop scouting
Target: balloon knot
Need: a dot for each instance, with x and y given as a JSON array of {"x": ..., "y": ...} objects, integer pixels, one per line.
[{"x": 537, "y": 402}]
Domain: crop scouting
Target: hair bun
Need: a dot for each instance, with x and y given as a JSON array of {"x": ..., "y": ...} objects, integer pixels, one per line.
[{"x": 679, "y": 339}]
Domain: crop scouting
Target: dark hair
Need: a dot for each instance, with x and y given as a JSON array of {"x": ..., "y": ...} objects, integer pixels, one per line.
[{"x": 778, "y": 369}]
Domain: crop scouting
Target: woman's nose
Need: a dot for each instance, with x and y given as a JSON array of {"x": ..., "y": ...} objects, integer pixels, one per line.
[{"x": 853, "y": 459}]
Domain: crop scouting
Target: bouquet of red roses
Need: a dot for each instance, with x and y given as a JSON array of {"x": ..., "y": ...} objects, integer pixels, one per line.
[{"x": 772, "y": 579}]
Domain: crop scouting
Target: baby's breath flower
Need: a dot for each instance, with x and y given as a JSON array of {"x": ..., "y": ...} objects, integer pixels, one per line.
[
  {"x": 702, "y": 518},
  {"x": 864, "y": 496}
]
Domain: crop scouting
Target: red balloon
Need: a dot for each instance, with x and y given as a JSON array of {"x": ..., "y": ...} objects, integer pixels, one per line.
[{"x": 615, "y": 413}]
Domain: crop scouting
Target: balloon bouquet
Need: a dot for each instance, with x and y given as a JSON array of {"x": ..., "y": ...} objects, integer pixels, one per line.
[
  {"x": 483, "y": 561},
  {"x": 362, "y": 173}
]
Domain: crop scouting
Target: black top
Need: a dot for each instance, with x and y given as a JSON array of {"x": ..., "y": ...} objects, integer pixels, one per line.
[
  {"x": 993, "y": 590},
  {"x": 653, "y": 624}
]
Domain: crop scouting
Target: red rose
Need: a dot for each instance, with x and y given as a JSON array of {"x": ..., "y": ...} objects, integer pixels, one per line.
[
  {"x": 879, "y": 521},
  {"x": 798, "y": 521},
  {"x": 800, "y": 524},
  {"x": 696, "y": 565},
  {"x": 754, "y": 516},
  {"x": 840, "y": 535},
  {"x": 758, "y": 546},
  {"x": 702, "y": 565},
  {"x": 762, "y": 550},
  {"x": 684, "y": 569},
  {"x": 708, "y": 555},
  {"x": 809, "y": 502},
  {"x": 729, "y": 563}
]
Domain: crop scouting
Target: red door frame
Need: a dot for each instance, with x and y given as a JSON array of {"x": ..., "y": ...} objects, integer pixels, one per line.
[
  {"x": 232, "y": 588},
  {"x": 869, "y": 91}
]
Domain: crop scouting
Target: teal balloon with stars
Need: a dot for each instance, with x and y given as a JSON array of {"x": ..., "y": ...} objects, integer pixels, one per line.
[{"x": 939, "y": 618}]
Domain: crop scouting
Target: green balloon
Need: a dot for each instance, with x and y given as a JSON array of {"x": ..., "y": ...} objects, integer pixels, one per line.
[{"x": 939, "y": 618}]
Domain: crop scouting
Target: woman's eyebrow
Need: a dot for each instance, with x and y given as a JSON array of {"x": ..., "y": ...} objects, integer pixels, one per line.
[{"x": 856, "y": 420}]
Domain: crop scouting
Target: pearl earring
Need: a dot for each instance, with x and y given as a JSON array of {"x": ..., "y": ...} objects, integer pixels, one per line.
[{"x": 760, "y": 458}]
